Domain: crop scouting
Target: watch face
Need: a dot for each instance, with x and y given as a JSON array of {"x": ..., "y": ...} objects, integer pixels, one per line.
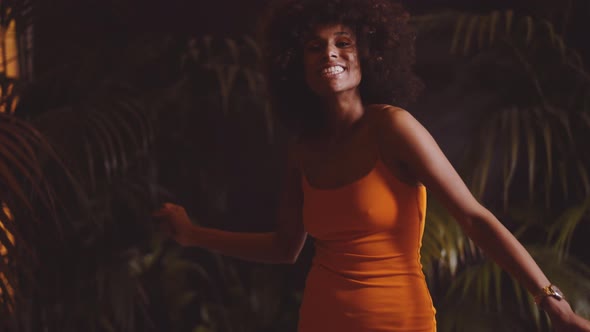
[{"x": 556, "y": 292}]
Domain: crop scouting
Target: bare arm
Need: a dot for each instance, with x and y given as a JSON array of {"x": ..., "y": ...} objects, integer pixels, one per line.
[
  {"x": 415, "y": 147},
  {"x": 280, "y": 246}
]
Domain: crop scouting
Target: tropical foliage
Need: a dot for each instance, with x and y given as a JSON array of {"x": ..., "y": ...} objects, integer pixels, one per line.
[
  {"x": 98, "y": 142},
  {"x": 84, "y": 175},
  {"x": 529, "y": 141}
]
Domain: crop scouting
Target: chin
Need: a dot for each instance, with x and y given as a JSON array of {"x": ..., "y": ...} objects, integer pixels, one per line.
[{"x": 333, "y": 90}]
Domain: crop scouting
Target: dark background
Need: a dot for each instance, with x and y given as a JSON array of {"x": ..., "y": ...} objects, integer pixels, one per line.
[
  {"x": 63, "y": 24},
  {"x": 95, "y": 61}
]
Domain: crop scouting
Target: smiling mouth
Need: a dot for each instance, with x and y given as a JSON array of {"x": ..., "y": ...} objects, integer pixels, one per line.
[{"x": 332, "y": 71}]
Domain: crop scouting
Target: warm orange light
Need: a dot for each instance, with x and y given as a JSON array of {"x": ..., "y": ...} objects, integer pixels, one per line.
[
  {"x": 10, "y": 45},
  {"x": 3, "y": 250},
  {"x": 8, "y": 63}
]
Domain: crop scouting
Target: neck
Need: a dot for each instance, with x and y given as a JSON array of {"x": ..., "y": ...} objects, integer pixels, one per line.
[{"x": 344, "y": 111}]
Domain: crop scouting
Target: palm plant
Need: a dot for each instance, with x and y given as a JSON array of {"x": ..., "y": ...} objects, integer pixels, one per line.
[
  {"x": 109, "y": 138},
  {"x": 9, "y": 55},
  {"x": 530, "y": 129},
  {"x": 80, "y": 177}
]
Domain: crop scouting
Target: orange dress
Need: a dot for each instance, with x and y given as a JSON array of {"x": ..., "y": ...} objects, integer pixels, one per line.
[{"x": 366, "y": 274}]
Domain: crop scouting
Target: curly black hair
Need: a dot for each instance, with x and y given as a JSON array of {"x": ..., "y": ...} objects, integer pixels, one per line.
[{"x": 386, "y": 52}]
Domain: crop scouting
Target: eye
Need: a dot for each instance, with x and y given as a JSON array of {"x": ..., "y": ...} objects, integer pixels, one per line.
[
  {"x": 343, "y": 43},
  {"x": 313, "y": 47}
]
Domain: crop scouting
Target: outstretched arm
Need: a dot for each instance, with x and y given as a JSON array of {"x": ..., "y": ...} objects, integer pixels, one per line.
[
  {"x": 280, "y": 246},
  {"x": 415, "y": 147}
]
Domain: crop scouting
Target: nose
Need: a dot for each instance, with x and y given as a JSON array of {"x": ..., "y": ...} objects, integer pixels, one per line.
[{"x": 331, "y": 52}]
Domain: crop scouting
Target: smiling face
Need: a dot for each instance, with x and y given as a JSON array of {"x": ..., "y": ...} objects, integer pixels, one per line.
[{"x": 331, "y": 61}]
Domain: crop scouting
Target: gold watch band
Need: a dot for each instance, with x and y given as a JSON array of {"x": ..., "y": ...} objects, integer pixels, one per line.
[{"x": 549, "y": 290}]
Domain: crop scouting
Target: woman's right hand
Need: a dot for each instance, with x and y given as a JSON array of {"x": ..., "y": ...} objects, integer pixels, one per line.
[{"x": 175, "y": 222}]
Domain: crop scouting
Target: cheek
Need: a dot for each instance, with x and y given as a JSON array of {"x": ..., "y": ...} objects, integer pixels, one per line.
[
  {"x": 354, "y": 63},
  {"x": 357, "y": 61},
  {"x": 356, "y": 68}
]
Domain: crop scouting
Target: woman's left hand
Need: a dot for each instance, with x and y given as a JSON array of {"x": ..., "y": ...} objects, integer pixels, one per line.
[
  {"x": 574, "y": 323},
  {"x": 563, "y": 318}
]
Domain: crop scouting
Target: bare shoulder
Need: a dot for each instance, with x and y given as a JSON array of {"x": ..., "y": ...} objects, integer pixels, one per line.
[
  {"x": 380, "y": 112},
  {"x": 389, "y": 119},
  {"x": 399, "y": 133}
]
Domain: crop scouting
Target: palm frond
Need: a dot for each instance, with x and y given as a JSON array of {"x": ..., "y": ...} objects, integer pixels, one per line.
[
  {"x": 44, "y": 225},
  {"x": 485, "y": 283},
  {"x": 571, "y": 274},
  {"x": 489, "y": 29},
  {"x": 517, "y": 55},
  {"x": 235, "y": 65},
  {"x": 562, "y": 230},
  {"x": 446, "y": 249},
  {"x": 487, "y": 137}
]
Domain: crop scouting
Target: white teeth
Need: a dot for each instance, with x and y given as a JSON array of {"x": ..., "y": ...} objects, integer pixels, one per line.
[{"x": 332, "y": 70}]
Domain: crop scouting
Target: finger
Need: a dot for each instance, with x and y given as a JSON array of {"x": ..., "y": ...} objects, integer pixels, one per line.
[{"x": 169, "y": 205}]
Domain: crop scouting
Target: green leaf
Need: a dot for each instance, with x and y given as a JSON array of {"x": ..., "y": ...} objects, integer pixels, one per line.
[
  {"x": 530, "y": 29},
  {"x": 233, "y": 49},
  {"x": 531, "y": 151},
  {"x": 457, "y": 35},
  {"x": 562, "y": 231},
  {"x": 469, "y": 33},
  {"x": 510, "y": 123},
  {"x": 254, "y": 46},
  {"x": 509, "y": 17},
  {"x": 483, "y": 25},
  {"x": 548, "y": 158},
  {"x": 226, "y": 75},
  {"x": 201, "y": 328},
  {"x": 488, "y": 139},
  {"x": 584, "y": 177},
  {"x": 494, "y": 18}
]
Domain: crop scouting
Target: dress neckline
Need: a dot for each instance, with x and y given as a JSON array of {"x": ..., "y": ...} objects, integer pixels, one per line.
[
  {"x": 378, "y": 163},
  {"x": 343, "y": 186}
]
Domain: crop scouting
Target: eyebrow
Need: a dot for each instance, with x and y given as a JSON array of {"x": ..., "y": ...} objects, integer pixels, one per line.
[{"x": 337, "y": 33}]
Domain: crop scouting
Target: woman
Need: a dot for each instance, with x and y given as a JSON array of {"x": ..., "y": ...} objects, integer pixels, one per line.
[{"x": 356, "y": 176}]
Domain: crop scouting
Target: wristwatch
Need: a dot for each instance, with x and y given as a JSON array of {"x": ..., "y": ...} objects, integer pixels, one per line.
[{"x": 550, "y": 290}]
